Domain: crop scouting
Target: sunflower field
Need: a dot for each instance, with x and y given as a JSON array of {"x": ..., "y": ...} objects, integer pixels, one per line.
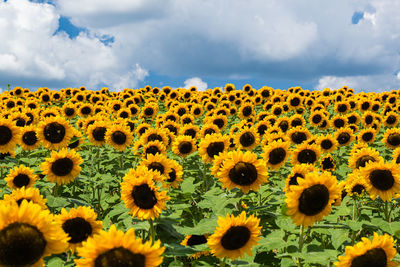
[{"x": 180, "y": 177}]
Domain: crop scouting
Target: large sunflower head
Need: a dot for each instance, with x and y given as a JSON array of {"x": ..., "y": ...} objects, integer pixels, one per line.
[
  {"x": 141, "y": 195},
  {"x": 306, "y": 153},
  {"x": 243, "y": 171},
  {"x": 21, "y": 177},
  {"x": 311, "y": 200},
  {"x": 378, "y": 252},
  {"x": 153, "y": 147},
  {"x": 247, "y": 138},
  {"x": 212, "y": 145},
  {"x": 79, "y": 224},
  {"x": 9, "y": 135},
  {"x": 157, "y": 162},
  {"x": 235, "y": 236},
  {"x": 96, "y": 133},
  {"x": 298, "y": 135},
  {"x": 360, "y": 157},
  {"x": 367, "y": 135},
  {"x": 276, "y": 153},
  {"x": 29, "y": 138},
  {"x": 381, "y": 179},
  {"x": 190, "y": 130},
  {"x": 119, "y": 137},
  {"x": 152, "y": 134},
  {"x": 29, "y": 194},
  {"x": 391, "y": 138},
  {"x": 116, "y": 248},
  {"x": 391, "y": 119},
  {"x": 55, "y": 132},
  {"x": 208, "y": 128},
  {"x": 184, "y": 145},
  {"x": 344, "y": 136},
  {"x": 27, "y": 234},
  {"x": 62, "y": 167},
  {"x": 327, "y": 143},
  {"x": 174, "y": 176},
  {"x": 354, "y": 184}
]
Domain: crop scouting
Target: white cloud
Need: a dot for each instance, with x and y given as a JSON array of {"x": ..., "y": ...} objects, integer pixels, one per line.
[{"x": 195, "y": 81}]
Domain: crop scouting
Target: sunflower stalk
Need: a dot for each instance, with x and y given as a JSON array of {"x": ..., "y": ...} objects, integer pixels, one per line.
[
  {"x": 152, "y": 233},
  {"x": 222, "y": 262},
  {"x": 386, "y": 211},
  {"x": 301, "y": 242}
]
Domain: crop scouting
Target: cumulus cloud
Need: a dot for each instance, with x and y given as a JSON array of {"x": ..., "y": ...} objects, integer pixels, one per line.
[{"x": 195, "y": 81}]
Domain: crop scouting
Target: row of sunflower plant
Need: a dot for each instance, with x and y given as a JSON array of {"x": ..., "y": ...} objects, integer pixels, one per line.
[{"x": 222, "y": 177}]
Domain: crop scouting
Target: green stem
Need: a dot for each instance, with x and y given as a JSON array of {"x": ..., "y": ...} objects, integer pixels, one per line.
[
  {"x": 222, "y": 262},
  {"x": 56, "y": 190},
  {"x": 301, "y": 242},
  {"x": 355, "y": 207},
  {"x": 152, "y": 233},
  {"x": 386, "y": 211},
  {"x": 121, "y": 159},
  {"x": 97, "y": 158}
]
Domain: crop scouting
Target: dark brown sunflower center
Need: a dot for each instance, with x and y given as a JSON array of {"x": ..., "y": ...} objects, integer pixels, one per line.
[
  {"x": 394, "y": 139},
  {"x": 362, "y": 161},
  {"x": 247, "y": 111},
  {"x": 209, "y": 131},
  {"x": 391, "y": 119},
  {"x": 219, "y": 122},
  {"x": 196, "y": 240},
  {"x": 152, "y": 150},
  {"x": 120, "y": 257},
  {"x": 296, "y": 122},
  {"x": 313, "y": 199},
  {"x": 144, "y": 197},
  {"x": 185, "y": 147},
  {"x": 375, "y": 257},
  {"x": 342, "y": 108},
  {"x": 235, "y": 238},
  {"x": 190, "y": 132},
  {"x": 54, "y": 132},
  {"x": 339, "y": 123},
  {"x": 369, "y": 119},
  {"x": 247, "y": 139},
  {"x": 156, "y": 166},
  {"x": 307, "y": 156},
  {"x": 365, "y": 105},
  {"x": 352, "y": 119},
  {"x": 78, "y": 229},
  {"x": 295, "y": 102},
  {"x": 29, "y": 138},
  {"x": 277, "y": 155},
  {"x": 343, "y": 138},
  {"x": 21, "y": 180},
  {"x": 172, "y": 129},
  {"x": 62, "y": 167},
  {"x": 327, "y": 164},
  {"x": 298, "y": 137},
  {"x": 197, "y": 111},
  {"x": 316, "y": 119},
  {"x": 154, "y": 137},
  {"x": 181, "y": 111},
  {"x": 382, "y": 179},
  {"x": 293, "y": 179},
  {"x": 5, "y": 135},
  {"x": 172, "y": 176},
  {"x": 20, "y": 122},
  {"x": 215, "y": 148},
  {"x": 284, "y": 126},
  {"x": 149, "y": 111},
  {"x": 367, "y": 136},
  {"x": 118, "y": 137},
  {"x": 243, "y": 173},
  {"x": 262, "y": 129},
  {"x": 358, "y": 188},
  {"x": 326, "y": 144},
  {"x": 21, "y": 244},
  {"x": 86, "y": 110},
  {"x": 99, "y": 133},
  {"x": 69, "y": 111}
]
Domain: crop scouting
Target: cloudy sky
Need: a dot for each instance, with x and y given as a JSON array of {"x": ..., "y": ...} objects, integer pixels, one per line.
[{"x": 208, "y": 43}]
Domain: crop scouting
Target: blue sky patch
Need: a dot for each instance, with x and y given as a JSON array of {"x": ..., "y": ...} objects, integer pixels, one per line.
[
  {"x": 357, "y": 16},
  {"x": 65, "y": 25}
]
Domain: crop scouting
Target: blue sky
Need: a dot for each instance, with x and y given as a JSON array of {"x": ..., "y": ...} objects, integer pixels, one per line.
[{"x": 132, "y": 43}]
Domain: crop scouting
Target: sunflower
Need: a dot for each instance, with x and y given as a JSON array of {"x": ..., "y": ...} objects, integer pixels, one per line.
[
  {"x": 27, "y": 234},
  {"x": 283, "y": 123},
  {"x": 327, "y": 143},
  {"x": 77, "y": 140},
  {"x": 152, "y": 134},
  {"x": 311, "y": 200},
  {"x": 344, "y": 136},
  {"x": 247, "y": 138},
  {"x": 327, "y": 163},
  {"x": 211, "y": 145},
  {"x": 184, "y": 145},
  {"x": 354, "y": 183},
  {"x": 119, "y": 137},
  {"x": 246, "y": 111},
  {"x": 391, "y": 138},
  {"x": 378, "y": 252},
  {"x": 396, "y": 156},
  {"x": 9, "y": 135},
  {"x": 29, "y": 138},
  {"x": 142, "y": 128},
  {"x": 243, "y": 170},
  {"x": 85, "y": 110},
  {"x": 141, "y": 195},
  {"x": 54, "y": 132},
  {"x": 391, "y": 119},
  {"x": 187, "y": 119},
  {"x": 154, "y": 147},
  {"x": 367, "y": 135},
  {"x": 338, "y": 121},
  {"x": 190, "y": 130},
  {"x": 306, "y": 153},
  {"x": 220, "y": 121},
  {"x": 316, "y": 118},
  {"x": 157, "y": 162},
  {"x": 116, "y": 248},
  {"x": 342, "y": 107},
  {"x": 299, "y": 171},
  {"x": 29, "y": 194},
  {"x": 96, "y": 133},
  {"x": 381, "y": 179},
  {"x": 20, "y": 176},
  {"x": 276, "y": 153},
  {"x": 172, "y": 126},
  {"x": 193, "y": 240},
  {"x": 360, "y": 157},
  {"x": 298, "y": 135},
  {"x": 235, "y": 236},
  {"x": 62, "y": 167},
  {"x": 79, "y": 224},
  {"x": 174, "y": 176}
]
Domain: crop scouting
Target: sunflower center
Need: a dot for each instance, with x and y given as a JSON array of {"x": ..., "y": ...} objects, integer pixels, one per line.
[
  {"x": 307, "y": 156},
  {"x": 215, "y": 148},
  {"x": 172, "y": 176},
  {"x": 352, "y": 119},
  {"x": 148, "y": 111},
  {"x": 262, "y": 129},
  {"x": 277, "y": 155},
  {"x": 295, "y": 102},
  {"x": 219, "y": 122},
  {"x": 54, "y": 132},
  {"x": 247, "y": 111},
  {"x": 313, "y": 199},
  {"x": 154, "y": 137},
  {"x": 316, "y": 119},
  {"x": 118, "y": 137},
  {"x": 209, "y": 131},
  {"x": 326, "y": 144},
  {"x": 382, "y": 179},
  {"x": 342, "y": 108},
  {"x": 5, "y": 135},
  {"x": 120, "y": 257},
  {"x": 394, "y": 139},
  {"x": 358, "y": 188},
  {"x": 78, "y": 229},
  {"x": 172, "y": 129},
  {"x": 21, "y": 180},
  {"x": 362, "y": 161},
  {"x": 152, "y": 150},
  {"x": 243, "y": 173},
  {"x": 367, "y": 137},
  {"x": 156, "y": 166},
  {"x": 62, "y": 167},
  {"x": 375, "y": 257},
  {"x": 29, "y": 138},
  {"x": 339, "y": 123},
  {"x": 190, "y": 132},
  {"x": 284, "y": 126},
  {"x": 369, "y": 119},
  {"x": 144, "y": 197},
  {"x": 235, "y": 238},
  {"x": 196, "y": 240},
  {"x": 327, "y": 164},
  {"x": 343, "y": 138},
  {"x": 391, "y": 119},
  {"x": 21, "y": 244},
  {"x": 293, "y": 179},
  {"x": 86, "y": 110},
  {"x": 69, "y": 111},
  {"x": 185, "y": 147},
  {"x": 298, "y": 137},
  {"x": 247, "y": 139},
  {"x": 99, "y": 133}
]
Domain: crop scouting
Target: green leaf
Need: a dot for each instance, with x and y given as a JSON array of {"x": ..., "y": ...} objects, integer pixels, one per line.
[
  {"x": 339, "y": 236},
  {"x": 286, "y": 224},
  {"x": 187, "y": 186}
]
